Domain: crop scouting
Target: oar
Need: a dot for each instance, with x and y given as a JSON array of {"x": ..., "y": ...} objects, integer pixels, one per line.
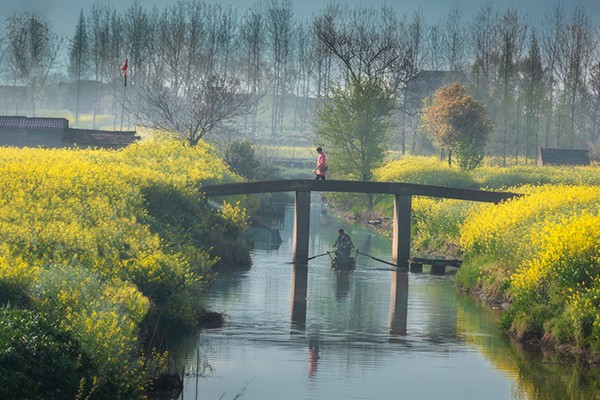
[
  {"x": 318, "y": 255},
  {"x": 377, "y": 259},
  {"x": 310, "y": 258}
]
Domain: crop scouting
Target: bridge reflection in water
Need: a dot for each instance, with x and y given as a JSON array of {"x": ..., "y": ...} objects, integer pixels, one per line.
[{"x": 398, "y": 296}]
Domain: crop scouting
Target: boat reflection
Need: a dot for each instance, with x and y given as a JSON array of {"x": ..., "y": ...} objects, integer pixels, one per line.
[{"x": 342, "y": 282}]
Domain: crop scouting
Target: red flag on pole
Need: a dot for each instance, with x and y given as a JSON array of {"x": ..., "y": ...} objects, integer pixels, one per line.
[{"x": 124, "y": 71}]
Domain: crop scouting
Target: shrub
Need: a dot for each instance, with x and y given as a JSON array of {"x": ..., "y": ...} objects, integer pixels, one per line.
[
  {"x": 103, "y": 317},
  {"x": 39, "y": 360},
  {"x": 436, "y": 223},
  {"x": 242, "y": 159}
]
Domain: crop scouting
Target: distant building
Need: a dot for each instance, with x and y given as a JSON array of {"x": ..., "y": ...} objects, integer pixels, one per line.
[
  {"x": 18, "y": 131},
  {"x": 562, "y": 157}
]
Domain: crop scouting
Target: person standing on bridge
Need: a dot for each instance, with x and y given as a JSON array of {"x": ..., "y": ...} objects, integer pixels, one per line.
[{"x": 322, "y": 167}]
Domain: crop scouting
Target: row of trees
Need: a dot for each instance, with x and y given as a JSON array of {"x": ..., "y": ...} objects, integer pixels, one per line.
[{"x": 195, "y": 66}]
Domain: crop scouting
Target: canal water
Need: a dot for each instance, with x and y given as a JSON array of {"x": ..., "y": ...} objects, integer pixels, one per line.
[{"x": 371, "y": 333}]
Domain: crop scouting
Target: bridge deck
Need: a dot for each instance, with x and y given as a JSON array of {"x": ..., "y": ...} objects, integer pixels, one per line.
[{"x": 396, "y": 188}]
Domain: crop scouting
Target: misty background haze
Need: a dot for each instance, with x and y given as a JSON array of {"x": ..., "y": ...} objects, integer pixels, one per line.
[{"x": 237, "y": 69}]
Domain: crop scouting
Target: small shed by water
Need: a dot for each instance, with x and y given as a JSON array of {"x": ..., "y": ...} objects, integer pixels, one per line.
[{"x": 562, "y": 157}]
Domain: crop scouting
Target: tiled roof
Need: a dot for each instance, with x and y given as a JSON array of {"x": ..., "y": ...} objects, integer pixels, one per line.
[
  {"x": 33, "y": 123},
  {"x": 45, "y": 127}
]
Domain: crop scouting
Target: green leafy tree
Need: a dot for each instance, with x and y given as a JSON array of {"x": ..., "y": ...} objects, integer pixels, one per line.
[
  {"x": 242, "y": 159},
  {"x": 353, "y": 126},
  {"x": 456, "y": 121}
]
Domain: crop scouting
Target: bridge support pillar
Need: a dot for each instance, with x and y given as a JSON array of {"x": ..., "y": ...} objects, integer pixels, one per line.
[
  {"x": 401, "y": 230},
  {"x": 438, "y": 268},
  {"x": 301, "y": 228}
]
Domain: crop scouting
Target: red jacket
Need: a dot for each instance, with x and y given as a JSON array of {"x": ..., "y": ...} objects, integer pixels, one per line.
[{"x": 322, "y": 164}]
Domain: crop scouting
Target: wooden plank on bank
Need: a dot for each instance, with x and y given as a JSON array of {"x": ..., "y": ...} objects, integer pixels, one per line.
[{"x": 449, "y": 262}]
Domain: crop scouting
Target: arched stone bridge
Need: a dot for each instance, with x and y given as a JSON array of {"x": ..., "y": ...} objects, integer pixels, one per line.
[{"x": 403, "y": 193}]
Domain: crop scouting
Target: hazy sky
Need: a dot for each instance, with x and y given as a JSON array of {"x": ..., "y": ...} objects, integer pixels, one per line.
[{"x": 64, "y": 13}]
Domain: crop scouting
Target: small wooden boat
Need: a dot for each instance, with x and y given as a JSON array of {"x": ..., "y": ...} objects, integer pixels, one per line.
[{"x": 343, "y": 262}]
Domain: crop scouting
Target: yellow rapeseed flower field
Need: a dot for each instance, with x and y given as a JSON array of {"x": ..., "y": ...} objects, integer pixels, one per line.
[
  {"x": 80, "y": 243},
  {"x": 540, "y": 252}
]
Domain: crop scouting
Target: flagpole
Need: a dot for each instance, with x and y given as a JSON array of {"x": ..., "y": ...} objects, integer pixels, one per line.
[{"x": 123, "y": 105}]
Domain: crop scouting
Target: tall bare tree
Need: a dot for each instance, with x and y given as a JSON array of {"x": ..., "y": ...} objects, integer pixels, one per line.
[
  {"x": 553, "y": 37},
  {"x": 434, "y": 48},
  {"x": 114, "y": 60},
  {"x": 79, "y": 59},
  {"x": 453, "y": 39},
  {"x": 198, "y": 111},
  {"x": 410, "y": 105},
  {"x": 33, "y": 48},
  {"x": 534, "y": 93},
  {"x": 373, "y": 45},
  {"x": 367, "y": 44},
  {"x": 305, "y": 65},
  {"x": 573, "y": 63},
  {"x": 485, "y": 51},
  {"x": 594, "y": 102},
  {"x": 99, "y": 29},
  {"x": 171, "y": 49},
  {"x": 140, "y": 28},
  {"x": 252, "y": 49},
  {"x": 512, "y": 35},
  {"x": 281, "y": 29}
]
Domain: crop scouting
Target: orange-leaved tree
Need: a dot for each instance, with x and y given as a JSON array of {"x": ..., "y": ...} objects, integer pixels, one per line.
[{"x": 456, "y": 121}]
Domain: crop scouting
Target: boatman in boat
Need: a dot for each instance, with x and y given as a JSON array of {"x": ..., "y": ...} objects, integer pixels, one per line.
[{"x": 343, "y": 244}]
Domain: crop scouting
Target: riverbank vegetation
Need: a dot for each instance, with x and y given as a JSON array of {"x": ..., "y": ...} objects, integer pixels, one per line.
[
  {"x": 537, "y": 255},
  {"x": 95, "y": 247}
]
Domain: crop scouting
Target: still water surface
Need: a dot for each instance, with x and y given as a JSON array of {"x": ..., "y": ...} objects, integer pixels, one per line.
[{"x": 358, "y": 336}]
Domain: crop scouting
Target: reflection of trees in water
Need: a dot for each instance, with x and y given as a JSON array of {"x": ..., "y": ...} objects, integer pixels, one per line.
[
  {"x": 539, "y": 375},
  {"x": 547, "y": 377},
  {"x": 441, "y": 323},
  {"x": 263, "y": 237},
  {"x": 265, "y": 225}
]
